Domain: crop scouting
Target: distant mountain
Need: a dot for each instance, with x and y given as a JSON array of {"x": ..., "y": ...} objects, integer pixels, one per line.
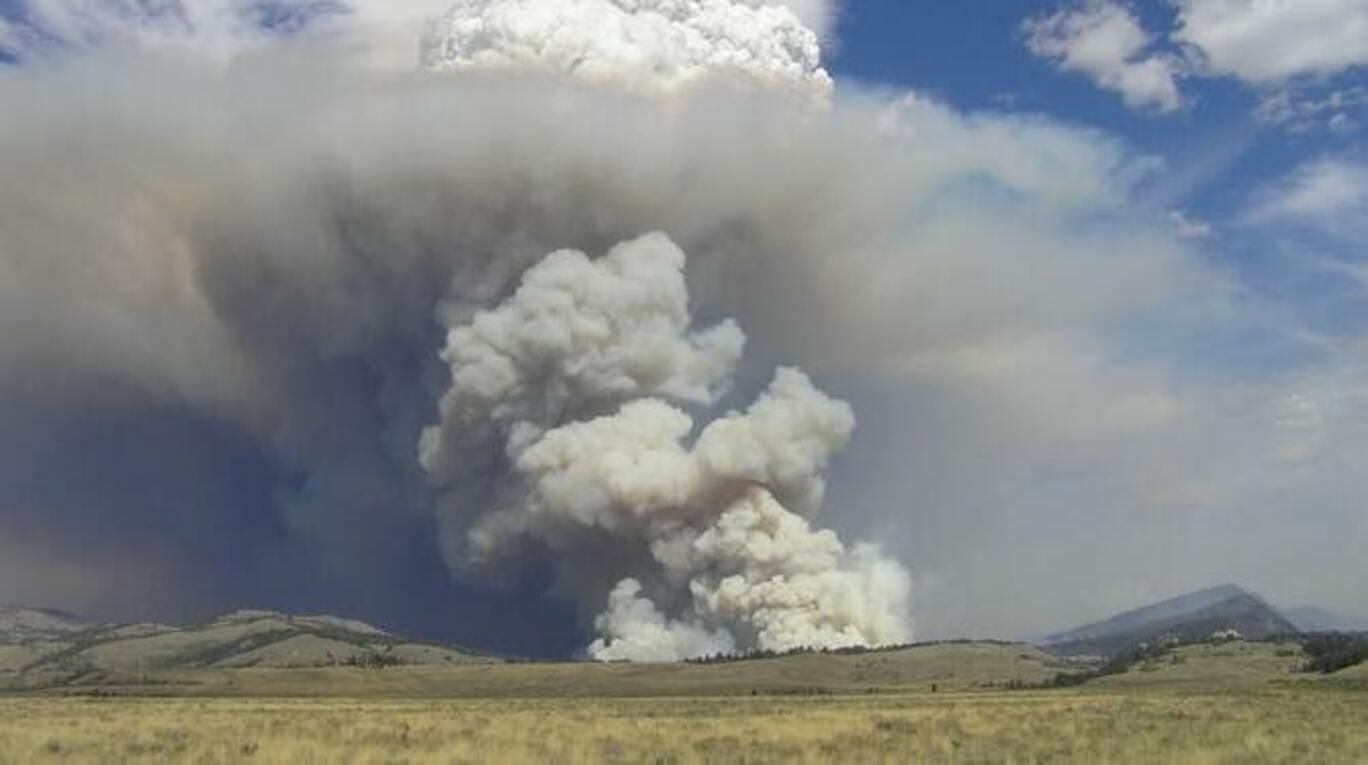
[
  {"x": 1313, "y": 619},
  {"x": 21, "y": 625},
  {"x": 38, "y": 645},
  {"x": 1186, "y": 618}
]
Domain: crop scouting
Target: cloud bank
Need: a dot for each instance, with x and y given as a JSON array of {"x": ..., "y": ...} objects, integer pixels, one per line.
[
  {"x": 1328, "y": 193},
  {"x": 1291, "y": 52}
]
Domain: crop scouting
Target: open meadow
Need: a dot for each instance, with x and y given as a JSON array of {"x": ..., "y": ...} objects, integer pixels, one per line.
[
  {"x": 1286, "y": 725},
  {"x": 957, "y": 702}
]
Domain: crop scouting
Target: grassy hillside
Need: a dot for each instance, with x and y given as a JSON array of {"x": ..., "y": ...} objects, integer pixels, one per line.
[
  {"x": 962, "y": 666},
  {"x": 115, "y": 653},
  {"x": 1234, "y": 665},
  {"x": 14, "y": 658},
  {"x": 256, "y": 661},
  {"x": 1355, "y": 678}
]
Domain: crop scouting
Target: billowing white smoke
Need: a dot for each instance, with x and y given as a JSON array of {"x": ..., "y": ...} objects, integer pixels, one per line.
[
  {"x": 579, "y": 336},
  {"x": 651, "y": 44},
  {"x": 646, "y": 44},
  {"x": 570, "y": 381}
]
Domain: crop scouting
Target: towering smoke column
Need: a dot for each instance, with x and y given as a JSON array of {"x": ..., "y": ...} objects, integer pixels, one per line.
[
  {"x": 647, "y": 44},
  {"x": 683, "y": 545},
  {"x": 561, "y": 433}
]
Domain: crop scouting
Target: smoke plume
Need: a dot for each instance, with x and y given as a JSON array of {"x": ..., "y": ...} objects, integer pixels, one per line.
[
  {"x": 288, "y": 321},
  {"x": 570, "y": 381},
  {"x": 390, "y": 327}
]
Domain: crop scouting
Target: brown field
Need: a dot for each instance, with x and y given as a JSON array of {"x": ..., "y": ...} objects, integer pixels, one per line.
[
  {"x": 948, "y": 666},
  {"x": 1232, "y": 703},
  {"x": 1288, "y": 725}
]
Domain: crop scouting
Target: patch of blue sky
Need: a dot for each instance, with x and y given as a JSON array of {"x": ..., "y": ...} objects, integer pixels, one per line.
[{"x": 1219, "y": 158}]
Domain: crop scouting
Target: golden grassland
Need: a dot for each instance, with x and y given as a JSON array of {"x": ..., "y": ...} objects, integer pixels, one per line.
[
  {"x": 1210, "y": 703},
  {"x": 948, "y": 666},
  {"x": 1302, "y": 723}
]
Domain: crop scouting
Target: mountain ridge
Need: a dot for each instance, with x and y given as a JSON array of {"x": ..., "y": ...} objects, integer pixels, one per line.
[{"x": 1191, "y": 617}]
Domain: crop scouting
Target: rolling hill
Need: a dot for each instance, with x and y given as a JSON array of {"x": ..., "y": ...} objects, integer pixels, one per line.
[
  {"x": 945, "y": 667},
  {"x": 18, "y": 625},
  {"x": 267, "y": 653},
  {"x": 42, "y": 647}
]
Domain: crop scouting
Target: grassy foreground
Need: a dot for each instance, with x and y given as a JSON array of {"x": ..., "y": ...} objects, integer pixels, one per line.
[{"x": 1303, "y": 724}]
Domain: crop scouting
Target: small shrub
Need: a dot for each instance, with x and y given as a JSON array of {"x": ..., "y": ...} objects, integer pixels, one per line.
[
  {"x": 1333, "y": 651},
  {"x": 373, "y": 660}
]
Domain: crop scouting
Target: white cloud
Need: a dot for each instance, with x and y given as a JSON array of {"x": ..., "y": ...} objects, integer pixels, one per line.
[
  {"x": 1290, "y": 50},
  {"x": 1337, "y": 110},
  {"x": 1329, "y": 194},
  {"x": 1264, "y": 41},
  {"x": 1105, "y": 41},
  {"x": 1188, "y": 227},
  {"x": 9, "y": 37},
  {"x": 208, "y": 26},
  {"x": 383, "y": 31}
]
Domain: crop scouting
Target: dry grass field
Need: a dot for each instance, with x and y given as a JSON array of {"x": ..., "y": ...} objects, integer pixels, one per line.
[
  {"x": 1287, "y": 725},
  {"x": 1244, "y": 703},
  {"x": 949, "y": 666}
]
